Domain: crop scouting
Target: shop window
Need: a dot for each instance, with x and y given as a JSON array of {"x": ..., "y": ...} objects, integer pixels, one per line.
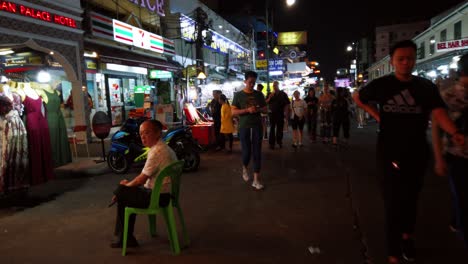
[
  {"x": 432, "y": 45},
  {"x": 457, "y": 30},
  {"x": 421, "y": 51},
  {"x": 443, "y": 35}
]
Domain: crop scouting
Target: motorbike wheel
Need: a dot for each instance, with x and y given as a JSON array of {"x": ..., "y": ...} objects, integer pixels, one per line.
[
  {"x": 191, "y": 160},
  {"x": 117, "y": 162}
]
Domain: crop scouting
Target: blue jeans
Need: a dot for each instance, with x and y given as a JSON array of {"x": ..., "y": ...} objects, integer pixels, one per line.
[{"x": 251, "y": 143}]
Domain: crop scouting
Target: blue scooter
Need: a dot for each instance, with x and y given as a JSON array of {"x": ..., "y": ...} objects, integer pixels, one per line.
[{"x": 127, "y": 149}]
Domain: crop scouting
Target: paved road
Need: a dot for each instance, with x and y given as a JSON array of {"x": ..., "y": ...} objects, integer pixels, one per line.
[{"x": 315, "y": 198}]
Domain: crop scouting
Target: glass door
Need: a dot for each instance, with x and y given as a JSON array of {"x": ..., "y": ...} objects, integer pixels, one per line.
[{"x": 115, "y": 102}]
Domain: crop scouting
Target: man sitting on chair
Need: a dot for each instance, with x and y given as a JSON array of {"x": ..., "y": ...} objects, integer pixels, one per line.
[{"x": 137, "y": 192}]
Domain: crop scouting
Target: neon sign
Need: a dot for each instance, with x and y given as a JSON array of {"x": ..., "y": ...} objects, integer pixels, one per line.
[
  {"x": 26, "y": 11},
  {"x": 158, "y": 6}
]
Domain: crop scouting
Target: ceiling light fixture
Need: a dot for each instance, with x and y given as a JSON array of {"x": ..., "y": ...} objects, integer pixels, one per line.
[{"x": 6, "y": 52}]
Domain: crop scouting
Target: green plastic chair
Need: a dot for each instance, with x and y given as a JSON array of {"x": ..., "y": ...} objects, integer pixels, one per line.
[{"x": 174, "y": 171}]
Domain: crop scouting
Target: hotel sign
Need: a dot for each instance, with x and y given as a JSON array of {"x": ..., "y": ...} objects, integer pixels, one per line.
[
  {"x": 6, "y": 6},
  {"x": 452, "y": 45},
  {"x": 152, "y": 5}
]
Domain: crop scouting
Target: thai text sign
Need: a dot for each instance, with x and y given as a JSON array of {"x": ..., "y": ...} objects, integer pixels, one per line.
[
  {"x": 452, "y": 45},
  {"x": 292, "y": 38},
  {"x": 26, "y": 11},
  {"x": 261, "y": 64}
]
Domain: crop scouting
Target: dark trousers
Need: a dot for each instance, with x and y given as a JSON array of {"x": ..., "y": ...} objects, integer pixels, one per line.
[
  {"x": 138, "y": 197},
  {"x": 458, "y": 171},
  {"x": 251, "y": 144},
  {"x": 339, "y": 122},
  {"x": 217, "y": 128},
  {"x": 276, "y": 129},
  {"x": 223, "y": 140},
  {"x": 401, "y": 182},
  {"x": 312, "y": 125}
]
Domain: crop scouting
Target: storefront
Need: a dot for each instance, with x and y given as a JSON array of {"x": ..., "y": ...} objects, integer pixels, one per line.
[
  {"x": 121, "y": 57},
  {"x": 40, "y": 55}
]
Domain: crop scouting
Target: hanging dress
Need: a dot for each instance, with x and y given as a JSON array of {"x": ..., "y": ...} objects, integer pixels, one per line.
[
  {"x": 40, "y": 158},
  {"x": 58, "y": 131},
  {"x": 13, "y": 148}
]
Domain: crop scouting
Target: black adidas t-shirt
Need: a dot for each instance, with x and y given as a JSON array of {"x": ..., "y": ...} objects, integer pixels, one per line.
[{"x": 404, "y": 108}]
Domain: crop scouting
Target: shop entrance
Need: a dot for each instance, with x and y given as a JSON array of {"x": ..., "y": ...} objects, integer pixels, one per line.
[{"x": 121, "y": 91}]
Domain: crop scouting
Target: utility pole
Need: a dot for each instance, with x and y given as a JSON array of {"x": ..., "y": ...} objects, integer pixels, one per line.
[
  {"x": 201, "y": 25},
  {"x": 267, "y": 53}
]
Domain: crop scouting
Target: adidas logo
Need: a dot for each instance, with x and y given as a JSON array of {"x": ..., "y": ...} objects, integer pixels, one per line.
[{"x": 402, "y": 103}]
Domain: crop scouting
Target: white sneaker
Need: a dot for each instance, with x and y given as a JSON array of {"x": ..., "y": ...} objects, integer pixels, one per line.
[
  {"x": 300, "y": 144},
  {"x": 245, "y": 174},
  {"x": 257, "y": 185}
]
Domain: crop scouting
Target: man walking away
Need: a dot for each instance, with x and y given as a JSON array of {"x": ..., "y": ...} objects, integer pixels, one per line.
[{"x": 278, "y": 102}]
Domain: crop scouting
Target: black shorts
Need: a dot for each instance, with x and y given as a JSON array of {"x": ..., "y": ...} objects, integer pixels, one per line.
[{"x": 297, "y": 123}]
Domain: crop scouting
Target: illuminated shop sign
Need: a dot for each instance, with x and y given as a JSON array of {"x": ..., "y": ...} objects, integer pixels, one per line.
[
  {"x": 137, "y": 37},
  {"x": 26, "y": 11},
  {"x": 452, "y": 45},
  {"x": 219, "y": 43},
  {"x": 292, "y": 38},
  {"x": 152, "y": 5},
  {"x": 158, "y": 74},
  {"x": 276, "y": 65}
]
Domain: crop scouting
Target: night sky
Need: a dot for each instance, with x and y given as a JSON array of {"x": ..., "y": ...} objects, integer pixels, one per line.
[{"x": 332, "y": 25}]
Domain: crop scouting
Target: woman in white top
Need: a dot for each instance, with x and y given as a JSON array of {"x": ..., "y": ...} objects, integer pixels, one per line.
[{"x": 298, "y": 111}]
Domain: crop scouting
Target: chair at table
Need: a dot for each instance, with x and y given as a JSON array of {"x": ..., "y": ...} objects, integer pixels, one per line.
[
  {"x": 174, "y": 171},
  {"x": 72, "y": 139}
]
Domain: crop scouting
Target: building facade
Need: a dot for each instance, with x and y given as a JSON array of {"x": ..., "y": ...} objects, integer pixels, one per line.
[
  {"x": 442, "y": 44},
  {"x": 128, "y": 60},
  {"x": 439, "y": 46},
  {"x": 45, "y": 36},
  {"x": 206, "y": 42}
]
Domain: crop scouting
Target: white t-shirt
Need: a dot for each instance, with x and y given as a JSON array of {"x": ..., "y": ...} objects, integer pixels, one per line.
[
  {"x": 298, "y": 107},
  {"x": 159, "y": 156}
]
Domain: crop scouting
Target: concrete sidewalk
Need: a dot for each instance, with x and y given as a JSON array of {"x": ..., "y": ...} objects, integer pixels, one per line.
[{"x": 319, "y": 206}]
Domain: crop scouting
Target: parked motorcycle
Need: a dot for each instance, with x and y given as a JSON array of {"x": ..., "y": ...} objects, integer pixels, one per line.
[{"x": 127, "y": 148}]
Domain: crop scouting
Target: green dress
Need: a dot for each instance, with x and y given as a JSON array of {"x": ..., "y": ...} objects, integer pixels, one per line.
[{"x": 58, "y": 131}]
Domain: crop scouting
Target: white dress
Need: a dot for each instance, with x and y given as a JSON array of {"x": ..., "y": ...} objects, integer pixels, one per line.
[{"x": 13, "y": 148}]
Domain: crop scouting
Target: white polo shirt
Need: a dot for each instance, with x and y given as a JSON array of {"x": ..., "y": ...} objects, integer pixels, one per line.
[{"x": 159, "y": 156}]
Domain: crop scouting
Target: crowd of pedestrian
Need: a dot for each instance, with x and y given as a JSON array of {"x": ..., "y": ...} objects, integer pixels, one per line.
[{"x": 401, "y": 103}]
